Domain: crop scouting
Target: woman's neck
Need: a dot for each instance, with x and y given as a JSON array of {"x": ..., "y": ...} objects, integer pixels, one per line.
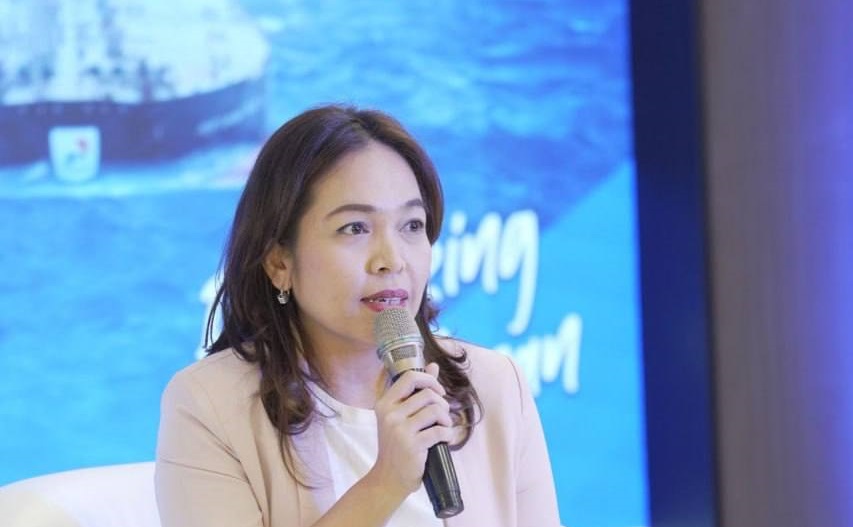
[{"x": 353, "y": 378}]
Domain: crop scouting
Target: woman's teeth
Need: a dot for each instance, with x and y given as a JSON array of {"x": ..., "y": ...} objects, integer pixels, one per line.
[{"x": 389, "y": 301}]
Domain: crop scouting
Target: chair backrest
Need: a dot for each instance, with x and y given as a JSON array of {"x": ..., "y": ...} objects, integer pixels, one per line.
[{"x": 107, "y": 496}]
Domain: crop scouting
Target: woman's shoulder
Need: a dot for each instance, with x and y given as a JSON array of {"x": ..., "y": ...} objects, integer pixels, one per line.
[
  {"x": 221, "y": 378},
  {"x": 219, "y": 366},
  {"x": 474, "y": 354},
  {"x": 489, "y": 370}
]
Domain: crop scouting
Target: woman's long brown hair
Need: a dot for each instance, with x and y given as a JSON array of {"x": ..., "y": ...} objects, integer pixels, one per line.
[{"x": 275, "y": 198}]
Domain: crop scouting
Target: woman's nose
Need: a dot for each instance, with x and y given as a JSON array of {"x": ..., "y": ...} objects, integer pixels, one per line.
[{"x": 386, "y": 256}]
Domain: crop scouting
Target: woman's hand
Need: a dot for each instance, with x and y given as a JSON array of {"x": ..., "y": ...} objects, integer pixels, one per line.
[{"x": 412, "y": 415}]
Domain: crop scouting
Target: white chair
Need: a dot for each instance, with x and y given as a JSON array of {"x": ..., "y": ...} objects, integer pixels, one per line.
[{"x": 107, "y": 496}]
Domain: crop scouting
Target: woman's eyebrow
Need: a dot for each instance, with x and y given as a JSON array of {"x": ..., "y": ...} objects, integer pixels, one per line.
[{"x": 368, "y": 209}]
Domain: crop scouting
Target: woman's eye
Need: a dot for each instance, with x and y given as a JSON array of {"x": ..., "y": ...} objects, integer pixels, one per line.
[
  {"x": 353, "y": 228},
  {"x": 415, "y": 225}
]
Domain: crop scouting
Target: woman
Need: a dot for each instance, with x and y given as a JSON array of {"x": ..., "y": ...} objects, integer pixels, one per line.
[{"x": 290, "y": 420}]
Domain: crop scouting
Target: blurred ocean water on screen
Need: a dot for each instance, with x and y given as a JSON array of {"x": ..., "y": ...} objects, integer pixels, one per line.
[{"x": 522, "y": 105}]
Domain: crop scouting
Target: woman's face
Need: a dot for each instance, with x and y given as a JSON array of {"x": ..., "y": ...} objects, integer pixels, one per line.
[{"x": 361, "y": 247}]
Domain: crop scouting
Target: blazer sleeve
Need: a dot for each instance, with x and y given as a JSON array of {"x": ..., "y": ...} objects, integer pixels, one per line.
[
  {"x": 535, "y": 492},
  {"x": 199, "y": 481}
]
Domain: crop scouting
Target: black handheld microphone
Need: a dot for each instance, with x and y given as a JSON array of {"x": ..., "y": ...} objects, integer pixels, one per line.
[{"x": 400, "y": 347}]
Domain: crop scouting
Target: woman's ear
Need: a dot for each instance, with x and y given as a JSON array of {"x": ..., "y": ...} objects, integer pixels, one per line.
[{"x": 278, "y": 265}]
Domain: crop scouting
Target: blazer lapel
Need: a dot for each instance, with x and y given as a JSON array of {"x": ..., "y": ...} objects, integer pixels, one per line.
[{"x": 318, "y": 495}]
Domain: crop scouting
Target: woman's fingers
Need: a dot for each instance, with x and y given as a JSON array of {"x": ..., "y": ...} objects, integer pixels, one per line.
[
  {"x": 432, "y": 369},
  {"x": 433, "y": 435},
  {"x": 425, "y": 403},
  {"x": 420, "y": 410},
  {"x": 429, "y": 417},
  {"x": 410, "y": 382},
  {"x": 412, "y": 416}
]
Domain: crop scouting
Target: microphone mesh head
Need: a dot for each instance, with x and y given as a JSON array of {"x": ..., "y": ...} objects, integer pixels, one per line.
[{"x": 394, "y": 327}]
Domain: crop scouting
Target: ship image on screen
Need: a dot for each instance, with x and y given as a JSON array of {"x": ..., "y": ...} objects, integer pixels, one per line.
[{"x": 107, "y": 79}]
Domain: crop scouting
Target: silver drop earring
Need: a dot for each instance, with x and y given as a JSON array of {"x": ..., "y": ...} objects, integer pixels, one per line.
[{"x": 283, "y": 296}]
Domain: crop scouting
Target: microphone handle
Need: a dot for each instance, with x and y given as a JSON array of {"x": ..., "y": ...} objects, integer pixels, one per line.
[
  {"x": 440, "y": 477},
  {"x": 440, "y": 482}
]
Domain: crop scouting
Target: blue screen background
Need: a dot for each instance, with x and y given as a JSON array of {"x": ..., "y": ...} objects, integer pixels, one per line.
[{"x": 524, "y": 107}]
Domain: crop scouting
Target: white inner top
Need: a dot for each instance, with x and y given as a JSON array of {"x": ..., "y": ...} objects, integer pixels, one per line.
[{"x": 352, "y": 445}]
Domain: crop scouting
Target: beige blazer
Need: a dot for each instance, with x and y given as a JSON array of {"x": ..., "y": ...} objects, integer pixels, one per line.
[{"x": 219, "y": 464}]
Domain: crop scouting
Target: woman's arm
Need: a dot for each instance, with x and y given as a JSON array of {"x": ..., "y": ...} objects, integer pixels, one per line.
[{"x": 199, "y": 481}]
